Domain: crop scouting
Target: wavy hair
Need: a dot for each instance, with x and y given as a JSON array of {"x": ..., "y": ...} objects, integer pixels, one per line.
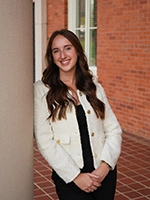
[{"x": 58, "y": 97}]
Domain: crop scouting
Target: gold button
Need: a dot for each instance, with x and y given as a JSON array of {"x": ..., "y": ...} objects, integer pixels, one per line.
[
  {"x": 92, "y": 134},
  {"x": 58, "y": 141},
  {"x": 95, "y": 155},
  {"x": 80, "y": 93},
  {"x": 88, "y": 111}
]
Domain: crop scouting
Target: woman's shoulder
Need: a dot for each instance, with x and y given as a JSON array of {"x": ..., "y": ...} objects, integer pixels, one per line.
[
  {"x": 99, "y": 88},
  {"x": 38, "y": 83},
  {"x": 97, "y": 83},
  {"x": 40, "y": 86}
]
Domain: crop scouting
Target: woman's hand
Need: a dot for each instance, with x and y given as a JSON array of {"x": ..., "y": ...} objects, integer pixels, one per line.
[
  {"x": 87, "y": 182},
  {"x": 101, "y": 171}
]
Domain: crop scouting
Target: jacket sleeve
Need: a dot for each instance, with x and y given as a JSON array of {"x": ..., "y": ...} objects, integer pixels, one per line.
[
  {"x": 53, "y": 153},
  {"x": 113, "y": 133}
]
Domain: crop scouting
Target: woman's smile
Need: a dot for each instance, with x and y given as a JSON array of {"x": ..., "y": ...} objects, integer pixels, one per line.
[{"x": 65, "y": 62}]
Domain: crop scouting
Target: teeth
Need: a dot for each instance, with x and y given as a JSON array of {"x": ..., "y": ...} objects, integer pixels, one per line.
[{"x": 65, "y": 62}]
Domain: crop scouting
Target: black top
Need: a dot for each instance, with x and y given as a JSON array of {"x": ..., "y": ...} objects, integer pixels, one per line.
[{"x": 86, "y": 148}]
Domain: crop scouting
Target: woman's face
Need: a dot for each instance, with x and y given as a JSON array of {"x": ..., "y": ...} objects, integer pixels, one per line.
[{"x": 64, "y": 54}]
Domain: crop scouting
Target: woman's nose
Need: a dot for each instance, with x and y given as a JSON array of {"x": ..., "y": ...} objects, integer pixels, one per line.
[{"x": 62, "y": 54}]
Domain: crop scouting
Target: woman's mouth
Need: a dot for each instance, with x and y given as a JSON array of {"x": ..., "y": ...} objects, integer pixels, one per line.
[{"x": 64, "y": 63}]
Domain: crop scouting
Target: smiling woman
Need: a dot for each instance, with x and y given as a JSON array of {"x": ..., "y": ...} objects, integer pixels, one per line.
[
  {"x": 75, "y": 128},
  {"x": 65, "y": 57}
]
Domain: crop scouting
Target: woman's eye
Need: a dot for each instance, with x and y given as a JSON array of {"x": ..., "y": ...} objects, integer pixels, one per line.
[
  {"x": 55, "y": 51},
  {"x": 68, "y": 48}
]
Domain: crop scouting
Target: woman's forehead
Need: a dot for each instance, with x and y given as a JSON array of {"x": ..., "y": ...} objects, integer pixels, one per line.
[{"x": 60, "y": 41}]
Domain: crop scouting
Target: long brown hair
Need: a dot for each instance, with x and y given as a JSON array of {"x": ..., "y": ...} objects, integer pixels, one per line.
[{"x": 58, "y": 97}]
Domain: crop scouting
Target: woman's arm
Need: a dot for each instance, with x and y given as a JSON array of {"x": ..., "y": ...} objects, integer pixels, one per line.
[
  {"x": 113, "y": 133},
  {"x": 54, "y": 154}
]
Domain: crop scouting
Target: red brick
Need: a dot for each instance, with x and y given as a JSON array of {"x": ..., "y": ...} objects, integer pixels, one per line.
[
  {"x": 56, "y": 15},
  {"x": 123, "y": 61},
  {"x": 128, "y": 61}
]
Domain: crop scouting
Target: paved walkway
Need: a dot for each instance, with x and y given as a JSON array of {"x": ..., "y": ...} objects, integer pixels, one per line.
[{"x": 133, "y": 172}]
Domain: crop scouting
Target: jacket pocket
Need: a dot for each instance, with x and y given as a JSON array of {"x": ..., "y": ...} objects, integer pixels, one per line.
[{"x": 62, "y": 138}]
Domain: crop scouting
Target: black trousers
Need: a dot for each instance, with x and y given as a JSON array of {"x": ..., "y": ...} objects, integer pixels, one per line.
[{"x": 71, "y": 192}]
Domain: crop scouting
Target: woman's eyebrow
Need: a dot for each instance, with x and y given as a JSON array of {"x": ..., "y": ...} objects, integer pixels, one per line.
[{"x": 67, "y": 45}]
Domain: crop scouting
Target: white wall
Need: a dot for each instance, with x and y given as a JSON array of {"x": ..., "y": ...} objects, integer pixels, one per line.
[{"x": 16, "y": 100}]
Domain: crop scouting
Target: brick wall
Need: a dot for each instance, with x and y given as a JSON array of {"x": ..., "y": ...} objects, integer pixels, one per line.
[
  {"x": 123, "y": 61},
  {"x": 123, "y": 57},
  {"x": 56, "y": 15}
]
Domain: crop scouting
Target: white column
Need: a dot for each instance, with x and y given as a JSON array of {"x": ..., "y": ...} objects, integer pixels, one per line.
[
  {"x": 40, "y": 36},
  {"x": 16, "y": 100}
]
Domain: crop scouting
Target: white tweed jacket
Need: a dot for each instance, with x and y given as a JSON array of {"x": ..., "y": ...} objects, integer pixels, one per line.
[{"x": 59, "y": 141}]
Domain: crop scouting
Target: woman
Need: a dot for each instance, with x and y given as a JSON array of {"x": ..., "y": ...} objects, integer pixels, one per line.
[{"x": 75, "y": 129}]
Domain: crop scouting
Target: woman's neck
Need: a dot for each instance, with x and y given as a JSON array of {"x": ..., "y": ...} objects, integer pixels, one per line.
[
  {"x": 71, "y": 83},
  {"x": 68, "y": 80}
]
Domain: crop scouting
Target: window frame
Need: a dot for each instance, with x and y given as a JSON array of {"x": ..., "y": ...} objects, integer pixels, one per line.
[{"x": 72, "y": 6}]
